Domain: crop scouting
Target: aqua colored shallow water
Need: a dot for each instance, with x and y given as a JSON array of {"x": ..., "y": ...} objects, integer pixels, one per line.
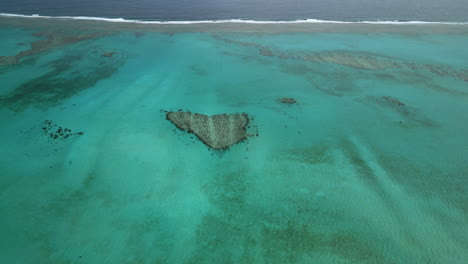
[{"x": 370, "y": 166}]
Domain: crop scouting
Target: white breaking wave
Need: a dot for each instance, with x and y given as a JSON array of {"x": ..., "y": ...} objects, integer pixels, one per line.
[{"x": 245, "y": 21}]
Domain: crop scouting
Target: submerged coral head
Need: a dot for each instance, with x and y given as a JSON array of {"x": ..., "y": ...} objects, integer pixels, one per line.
[
  {"x": 287, "y": 100},
  {"x": 217, "y": 131},
  {"x": 393, "y": 100}
]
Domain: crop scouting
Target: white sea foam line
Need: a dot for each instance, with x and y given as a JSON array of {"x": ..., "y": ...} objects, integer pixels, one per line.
[{"x": 245, "y": 21}]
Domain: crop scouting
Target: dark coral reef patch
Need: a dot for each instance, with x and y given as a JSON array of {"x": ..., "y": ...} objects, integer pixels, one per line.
[
  {"x": 70, "y": 74},
  {"x": 51, "y": 39},
  {"x": 55, "y": 132},
  {"x": 410, "y": 115}
]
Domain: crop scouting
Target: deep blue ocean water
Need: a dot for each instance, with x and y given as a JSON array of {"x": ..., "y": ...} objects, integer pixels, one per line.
[{"x": 343, "y": 10}]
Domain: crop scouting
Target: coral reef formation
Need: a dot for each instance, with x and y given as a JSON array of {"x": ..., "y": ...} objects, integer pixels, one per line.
[
  {"x": 70, "y": 74},
  {"x": 216, "y": 131},
  {"x": 353, "y": 59},
  {"x": 51, "y": 39}
]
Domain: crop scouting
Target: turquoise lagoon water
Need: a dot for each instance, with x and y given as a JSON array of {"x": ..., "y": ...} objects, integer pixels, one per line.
[{"x": 370, "y": 166}]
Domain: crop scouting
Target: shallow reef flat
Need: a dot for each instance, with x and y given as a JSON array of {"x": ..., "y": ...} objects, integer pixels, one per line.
[{"x": 232, "y": 143}]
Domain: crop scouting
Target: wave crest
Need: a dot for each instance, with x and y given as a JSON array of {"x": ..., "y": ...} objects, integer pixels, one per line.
[{"x": 245, "y": 21}]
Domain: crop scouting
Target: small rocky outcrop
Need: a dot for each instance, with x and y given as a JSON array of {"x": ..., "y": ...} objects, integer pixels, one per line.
[{"x": 216, "y": 131}]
